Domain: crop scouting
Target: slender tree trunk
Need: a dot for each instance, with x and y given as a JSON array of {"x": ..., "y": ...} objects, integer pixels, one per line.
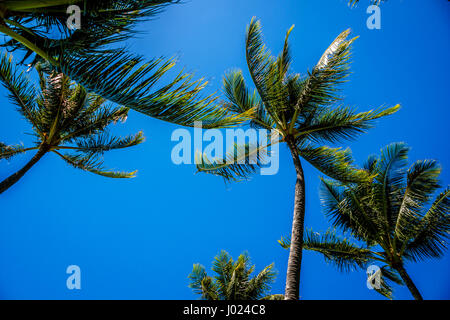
[
  {"x": 295, "y": 252},
  {"x": 408, "y": 281},
  {"x": 12, "y": 179}
]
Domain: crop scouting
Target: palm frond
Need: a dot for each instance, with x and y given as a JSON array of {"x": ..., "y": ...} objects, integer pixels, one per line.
[
  {"x": 238, "y": 164},
  {"x": 202, "y": 284},
  {"x": 422, "y": 182},
  {"x": 259, "y": 285},
  {"x": 91, "y": 123},
  {"x": 320, "y": 88},
  {"x": 93, "y": 164},
  {"x": 21, "y": 91},
  {"x": 99, "y": 144},
  {"x": 285, "y": 59},
  {"x": 341, "y": 123},
  {"x": 389, "y": 182},
  {"x": 9, "y": 151},
  {"x": 333, "y": 162},
  {"x": 238, "y": 94},
  {"x": 385, "y": 287},
  {"x": 349, "y": 210},
  {"x": 345, "y": 255},
  {"x": 432, "y": 230},
  {"x": 263, "y": 69},
  {"x": 223, "y": 266},
  {"x": 128, "y": 82}
]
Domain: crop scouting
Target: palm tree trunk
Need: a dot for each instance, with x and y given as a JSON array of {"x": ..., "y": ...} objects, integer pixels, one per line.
[
  {"x": 408, "y": 281},
  {"x": 295, "y": 253},
  {"x": 12, "y": 179}
]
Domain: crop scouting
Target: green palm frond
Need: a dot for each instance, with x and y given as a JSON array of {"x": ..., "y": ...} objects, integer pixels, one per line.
[
  {"x": 236, "y": 91},
  {"x": 94, "y": 121},
  {"x": 9, "y": 151},
  {"x": 263, "y": 69},
  {"x": 432, "y": 230},
  {"x": 259, "y": 285},
  {"x": 238, "y": 164},
  {"x": 285, "y": 59},
  {"x": 99, "y": 144},
  {"x": 389, "y": 182},
  {"x": 223, "y": 266},
  {"x": 422, "y": 182},
  {"x": 350, "y": 211},
  {"x": 385, "y": 288},
  {"x": 334, "y": 162},
  {"x": 339, "y": 251},
  {"x": 321, "y": 85},
  {"x": 202, "y": 284},
  {"x": 235, "y": 286},
  {"x": 131, "y": 83},
  {"x": 196, "y": 276},
  {"x": 93, "y": 164},
  {"x": 341, "y": 123},
  {"x": 331, "y": 195},
  {"x": 21, "y": 91}
]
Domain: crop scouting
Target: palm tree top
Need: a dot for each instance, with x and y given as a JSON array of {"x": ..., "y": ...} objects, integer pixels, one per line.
[
  {"x": 66, "y": 119},
  {"x": 394, "y": 209},
  {"x": 233, "y": 279},
  {"x": 394, "y": 215},
  {"x": 306, "y": 111}
]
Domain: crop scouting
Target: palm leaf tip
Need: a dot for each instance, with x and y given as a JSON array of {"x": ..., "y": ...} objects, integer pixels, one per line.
[
  {"x": 93, "y": 164},
  {"x": 9, "y": 151}
]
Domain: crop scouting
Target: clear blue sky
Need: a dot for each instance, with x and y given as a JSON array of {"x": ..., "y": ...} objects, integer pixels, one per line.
[{"x": 138, "y": 239}]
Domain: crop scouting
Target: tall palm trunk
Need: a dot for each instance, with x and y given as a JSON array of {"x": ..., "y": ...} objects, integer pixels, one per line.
[
  {"x": 12, "y": 179},
  {"x": 295, "y": 253},
  {"x": 408, "y": 281}
]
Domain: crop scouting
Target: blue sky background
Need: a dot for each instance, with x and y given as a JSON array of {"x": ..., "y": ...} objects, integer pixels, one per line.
[{"x": 138, "y": 239}]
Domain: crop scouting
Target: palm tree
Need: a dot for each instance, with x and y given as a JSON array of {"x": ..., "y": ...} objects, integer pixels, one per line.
[
  {"x": 302, "y": 111},
  {"x": 86, "y": 55},
  {"x": 234, "y": 280},
  {"x": 392, "y": 215},
  {"x": 65, "y": 118}
]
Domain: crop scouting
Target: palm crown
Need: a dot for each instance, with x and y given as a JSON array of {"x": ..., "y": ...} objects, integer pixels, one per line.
[
  {"x": 86, "y": 55},
  {"x": 302, "y": 111},
  {"x": 66, "y": 120},
  {"x": 233, "y": 280},
  {"x": 392, "y": 212}
]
